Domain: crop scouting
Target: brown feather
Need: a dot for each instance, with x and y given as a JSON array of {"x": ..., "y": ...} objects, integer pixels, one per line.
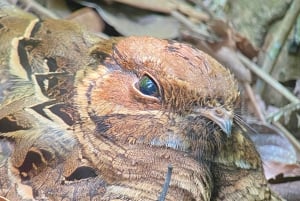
[{"x": 75, "y": 124}]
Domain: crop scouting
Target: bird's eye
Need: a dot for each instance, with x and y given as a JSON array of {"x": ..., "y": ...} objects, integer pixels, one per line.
[{"x": 148, "y": 86}]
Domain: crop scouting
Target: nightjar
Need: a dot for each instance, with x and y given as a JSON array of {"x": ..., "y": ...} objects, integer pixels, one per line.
[{"x": 83, "y": 118}]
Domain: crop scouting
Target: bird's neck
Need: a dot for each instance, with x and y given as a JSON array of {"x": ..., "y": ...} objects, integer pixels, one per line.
[{"x": 239, "y": 152}]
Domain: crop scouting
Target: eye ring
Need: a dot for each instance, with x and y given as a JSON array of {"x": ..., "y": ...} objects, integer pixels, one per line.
[{"x": 148, "y": 86}]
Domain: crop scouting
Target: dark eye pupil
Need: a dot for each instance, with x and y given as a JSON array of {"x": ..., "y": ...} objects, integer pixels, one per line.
[{"x": 148, "y": 87}]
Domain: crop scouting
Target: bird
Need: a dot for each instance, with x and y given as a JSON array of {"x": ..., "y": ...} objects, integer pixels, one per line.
[{"x": 86, "y": 118}]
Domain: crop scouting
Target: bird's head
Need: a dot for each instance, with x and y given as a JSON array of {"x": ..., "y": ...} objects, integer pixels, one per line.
[{"x": 158, "y": 92}]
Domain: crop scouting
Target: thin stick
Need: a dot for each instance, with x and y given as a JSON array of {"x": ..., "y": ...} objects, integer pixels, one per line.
[
  {"x": 275, "y": 116},
  {"x": 280, "y": 37},
  {"x": 191, "y": 26},
  {"x": 251, "y": 95},
  {"x": 268, "y": 79},
  {"x": 200, "y": 4},
  {"x": 163, "y": 194}
]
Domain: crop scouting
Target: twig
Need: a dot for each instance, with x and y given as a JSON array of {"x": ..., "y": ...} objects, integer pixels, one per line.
[
  {"x": 3, "y": 199},
  {"x": 163, "y": 194},
  {"x": 268, "y": 79},
  {"x": 257, "y": 110},
  {"x": 275, "y": 116},
  {"x": 280, "y": 37},
  {"x": 200, "y": 4},
  {"x": 190, "y": 25}
]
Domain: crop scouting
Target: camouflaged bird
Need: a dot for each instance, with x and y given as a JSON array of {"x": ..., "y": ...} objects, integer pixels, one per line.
[{"x": 82, "y": 118}]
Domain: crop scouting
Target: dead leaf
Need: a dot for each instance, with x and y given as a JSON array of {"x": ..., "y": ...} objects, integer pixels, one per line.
[
  {"x": 228, "y": 57},
  {"x": 271, "y": 144},
  {"x": 284, "y": 179},
  {"x": 167, "y": 6},
  {"x": 245, "y": 46},
  {"x": 224, "y": 32},
  {"x": 279, "y": 158},
  {"x": 130, "y": 21},
  {"x": 280, "y": 172},
  {"x": 88, "y": 18}
]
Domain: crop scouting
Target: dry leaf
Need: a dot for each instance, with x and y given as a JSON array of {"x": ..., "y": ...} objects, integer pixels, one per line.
[
  {"x": 279, "y": 160},
  {"x": 271, "y": 144},
  {"x": 227, "y": 56},
  {"x": 280, "y": 172},
  {"x": 225, "y": 50},
  {"x": 167, "y": 6},
  {"x": 224, "y": 32},
  {"x": 88, "y": 18},
  {"x": 287, "y": 182},
  {"x": 130, "y": 21},
  {"x": 245, "y": 46}
]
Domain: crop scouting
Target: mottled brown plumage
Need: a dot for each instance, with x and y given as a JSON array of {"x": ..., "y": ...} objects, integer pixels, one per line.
[{"x": 84, "y": 118}]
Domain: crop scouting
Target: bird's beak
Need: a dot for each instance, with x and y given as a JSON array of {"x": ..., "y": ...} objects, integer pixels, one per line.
[{"x": 220, "y": 116}]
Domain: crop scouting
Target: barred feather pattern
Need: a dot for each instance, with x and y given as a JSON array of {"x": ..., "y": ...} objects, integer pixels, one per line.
[{"x": 75, "y": 125}]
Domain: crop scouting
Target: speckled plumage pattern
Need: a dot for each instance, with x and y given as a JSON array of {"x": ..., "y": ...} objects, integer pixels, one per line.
[{"x": 75, "y": 125}]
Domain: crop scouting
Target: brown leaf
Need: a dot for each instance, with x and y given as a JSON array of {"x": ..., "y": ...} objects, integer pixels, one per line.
[
  {"x": 131, "y": 21},
  {"x": 88, "y": 18},
  {"x": 272, "y": 145},
  {"x": 279, "y": 160},
  {"x": 281, "y": 172},
  {"x": 224, "y": 50},
  {"x": 287, "y": 182},
  {"x": 245, "y": 46},
  {"x": 167, "y": 6},
  {"x": 228, "y": 57},
  {"x": 224, "y": 32}
]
